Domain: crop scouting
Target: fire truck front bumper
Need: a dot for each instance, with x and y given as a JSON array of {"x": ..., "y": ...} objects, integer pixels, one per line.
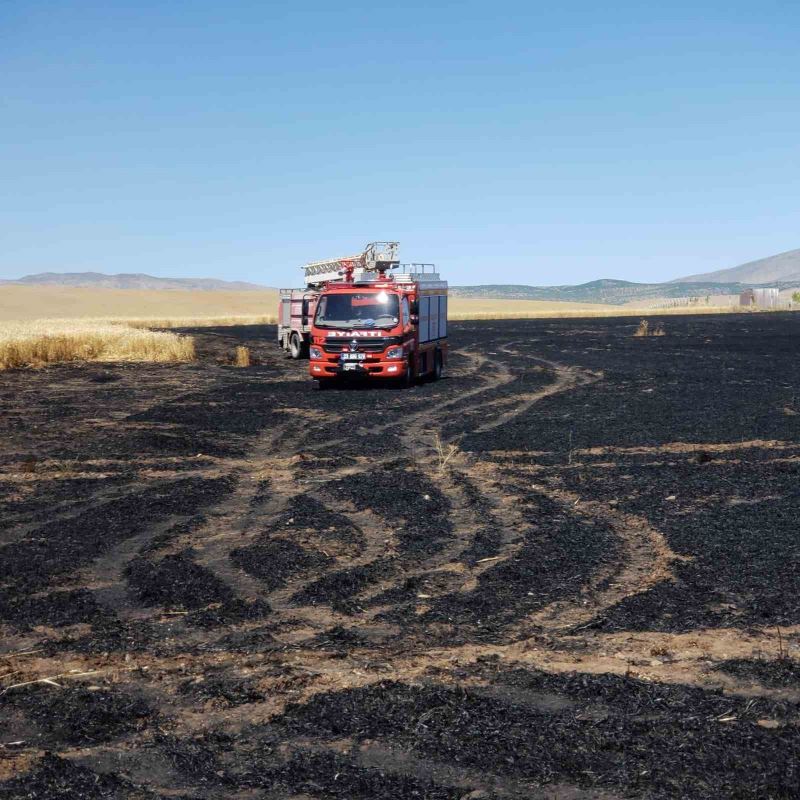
[{"x": 358, "y": 369}]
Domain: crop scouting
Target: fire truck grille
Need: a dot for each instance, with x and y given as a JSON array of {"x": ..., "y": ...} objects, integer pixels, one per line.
[{"x": 364, "y": 345}]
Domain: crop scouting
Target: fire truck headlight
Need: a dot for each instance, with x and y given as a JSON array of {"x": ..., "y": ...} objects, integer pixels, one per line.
[
  {"x": 394, "y": 352},
  {"x": 315, "y": 353}
]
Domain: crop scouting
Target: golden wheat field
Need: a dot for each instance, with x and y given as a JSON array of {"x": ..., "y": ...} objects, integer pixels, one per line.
[
  {"x": 465, "y": 308},
  {"x": 62, "y": 302},
  {"x": 46, "y": 324},
  {"x": 35, "y": 343},
  {"x": 175, "y": 308}
]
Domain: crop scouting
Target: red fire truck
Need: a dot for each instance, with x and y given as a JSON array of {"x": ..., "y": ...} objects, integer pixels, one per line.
[{"x": 358, "y": 318}]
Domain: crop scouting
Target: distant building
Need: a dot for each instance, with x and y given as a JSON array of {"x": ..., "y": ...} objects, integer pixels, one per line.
[{"x": 760, "y": 298}]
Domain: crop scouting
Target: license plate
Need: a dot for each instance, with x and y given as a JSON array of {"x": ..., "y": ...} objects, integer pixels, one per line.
[
  {"x": 351, "y": 366},
  {"x": 353, "y": 356}
]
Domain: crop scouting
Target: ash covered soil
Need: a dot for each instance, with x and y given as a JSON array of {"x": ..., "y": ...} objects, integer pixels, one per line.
[{"x": 570, "y": 569}]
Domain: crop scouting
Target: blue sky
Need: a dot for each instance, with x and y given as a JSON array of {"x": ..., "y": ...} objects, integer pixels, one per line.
[{"x": 507, "y": 141}]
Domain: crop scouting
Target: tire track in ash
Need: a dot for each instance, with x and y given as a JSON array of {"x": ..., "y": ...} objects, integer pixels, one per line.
[
  {"x": 645, "y": 557},
  {"x": 501, "y": 512},
  {"x": 645, "y": 561},
  {"x": 485, "y": 483},
  {"x": 203, "y": 545},
  {"x": 380, "y": 533},
  {"x": 622, "y": 654},
  {"x": 269, "y": 468},
  {"x": 567, "y": 378},
  {"x": 214, "y": 544},
  {"x": 454, "y": 558},
  {"x": 235, "y": 524},
  {"x": 232, "y": 523},
  {"x": 448, "y": 565},
  {"x": 207, "y": 540},
  {"x": 412, "y": 433},
  {"x": 296, "y": 598},
  {"x": 451, "y": 559},
  {"x": 285, "y": 487}
]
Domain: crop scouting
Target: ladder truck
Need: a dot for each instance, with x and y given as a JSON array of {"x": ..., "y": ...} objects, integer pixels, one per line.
[{"x": 357, "y": 318}]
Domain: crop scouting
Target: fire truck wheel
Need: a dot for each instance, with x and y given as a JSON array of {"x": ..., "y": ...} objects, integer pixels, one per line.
[
  {"x": 407, "y": 378},
  {"x": 321, "y": 384},
  {"x": 437, "y": 366},
  {"x": 295, "y": 346}
]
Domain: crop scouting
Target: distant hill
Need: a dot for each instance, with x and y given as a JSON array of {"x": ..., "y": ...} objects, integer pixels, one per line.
[
  {"x": 98, "y": 280},
  {"x": 783, "y": 271},
  {"x": 607, "y": 291},
  {"x": 784, "y": 267}
]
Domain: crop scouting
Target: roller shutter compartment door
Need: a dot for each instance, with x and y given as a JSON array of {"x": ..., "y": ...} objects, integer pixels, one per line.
[
  {"x": 424, "y": 317},
  {"x": 433, "y": 324}
]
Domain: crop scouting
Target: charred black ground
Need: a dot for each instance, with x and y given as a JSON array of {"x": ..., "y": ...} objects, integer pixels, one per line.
[{"x": 569, "y": 569}]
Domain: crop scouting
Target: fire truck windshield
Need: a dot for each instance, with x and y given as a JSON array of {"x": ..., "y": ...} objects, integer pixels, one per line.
[{"x": 358, "y": 310}]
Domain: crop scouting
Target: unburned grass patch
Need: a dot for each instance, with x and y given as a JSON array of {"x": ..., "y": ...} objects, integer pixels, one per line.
[
  {"x": 645, "y": 329},
  {"x": 242, "y": 357},
  {"x": 35, "y": 344}
]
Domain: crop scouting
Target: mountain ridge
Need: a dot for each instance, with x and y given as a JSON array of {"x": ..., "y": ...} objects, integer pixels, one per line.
[
  {"x": 781, "y": 270},
  {"x": 780, "y": 267},
  {"x": 132, "y": 280}
]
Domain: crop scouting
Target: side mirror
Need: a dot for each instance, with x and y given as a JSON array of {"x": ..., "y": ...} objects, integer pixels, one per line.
[{"x": 414, "y": 308}]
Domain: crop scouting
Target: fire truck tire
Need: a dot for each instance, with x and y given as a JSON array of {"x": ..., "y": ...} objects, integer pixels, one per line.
[
  {"x": 438, "y": 367},
  {"x": 407, "y": 378},
  {"x": 295, "y": 346},
  {"x": 321, "y": 384}
]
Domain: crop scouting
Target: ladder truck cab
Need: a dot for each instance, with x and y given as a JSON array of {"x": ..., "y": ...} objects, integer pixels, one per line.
[{"x": 369, "y": 317}]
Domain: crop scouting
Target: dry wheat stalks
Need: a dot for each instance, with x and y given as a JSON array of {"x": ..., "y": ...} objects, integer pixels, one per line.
[
  {"x": 242, "y": 358},
  {"x": 444, "y": 456},
  {"x": 32, "y": 344}
]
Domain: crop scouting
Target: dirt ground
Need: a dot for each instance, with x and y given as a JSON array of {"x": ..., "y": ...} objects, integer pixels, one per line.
[{"x": 570, "y": 569}]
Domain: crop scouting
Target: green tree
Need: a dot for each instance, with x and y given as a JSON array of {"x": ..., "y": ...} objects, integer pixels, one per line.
[{"x": 796, "y": 297}]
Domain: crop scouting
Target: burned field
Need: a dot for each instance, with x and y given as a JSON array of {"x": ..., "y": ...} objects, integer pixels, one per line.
[{"x": 569, "y": 569}]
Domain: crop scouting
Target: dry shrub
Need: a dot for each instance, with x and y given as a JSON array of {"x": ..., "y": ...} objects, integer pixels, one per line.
[
  {"x": 443, "y": 454},
  {"x": 32, "y": 344},
  {"x": 242, "y": 358},
  {"x": 644, "y": 329}
]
